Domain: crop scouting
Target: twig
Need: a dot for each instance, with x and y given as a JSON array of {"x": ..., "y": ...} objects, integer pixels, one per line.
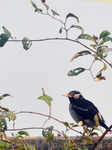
[{"x": 83, "y": 134}]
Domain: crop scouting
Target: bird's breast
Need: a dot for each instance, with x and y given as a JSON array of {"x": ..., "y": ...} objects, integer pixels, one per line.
[{"x": 73, "y": 113}]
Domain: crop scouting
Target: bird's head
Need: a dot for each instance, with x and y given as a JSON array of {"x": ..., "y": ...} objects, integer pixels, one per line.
[{"x": 74, "y": 95}]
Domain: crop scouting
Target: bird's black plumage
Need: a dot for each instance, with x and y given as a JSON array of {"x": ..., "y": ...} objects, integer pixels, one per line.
[{"x": 84, "y": 110}]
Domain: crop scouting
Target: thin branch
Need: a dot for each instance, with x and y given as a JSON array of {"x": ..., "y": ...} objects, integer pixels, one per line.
[
  {"x": 24, "y": 129},
  {"x": 54, "y": 119},
  {"x": 67, "y": 39},
  {"x": 29, "y": 112}
]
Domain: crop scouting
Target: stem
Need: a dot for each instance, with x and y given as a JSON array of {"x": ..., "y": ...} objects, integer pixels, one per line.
[{"x": 48, "y": 117}]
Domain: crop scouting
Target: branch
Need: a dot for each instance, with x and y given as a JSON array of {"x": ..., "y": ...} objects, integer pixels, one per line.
[
  {"x": 67, "y": 39},
  {"x": 101, "y": 138}
]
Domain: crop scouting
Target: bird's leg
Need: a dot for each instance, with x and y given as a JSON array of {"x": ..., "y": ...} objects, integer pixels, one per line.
[{"x": 92, "y": 129}]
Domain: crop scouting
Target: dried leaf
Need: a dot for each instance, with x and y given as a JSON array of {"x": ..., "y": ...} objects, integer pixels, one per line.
[
  {"x": 78, "y": 27},
  {"x": 82, "y": 53},
  {"x": 26, "y": 43}
]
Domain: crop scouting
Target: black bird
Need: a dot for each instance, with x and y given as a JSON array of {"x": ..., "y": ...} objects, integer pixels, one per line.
[{"x": 83, "y": 111}]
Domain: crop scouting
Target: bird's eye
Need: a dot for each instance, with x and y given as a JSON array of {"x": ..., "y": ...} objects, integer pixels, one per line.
[{"x": 73, "y": 95}]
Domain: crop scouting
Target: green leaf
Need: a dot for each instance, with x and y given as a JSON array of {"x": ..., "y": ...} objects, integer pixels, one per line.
[
  {"x": 33, "y": 4},
  {"x": 3, "y": 39},
  {"x": 28, "y": 147},
  {"x": 46, "y": 6},
  {"x": 104, "y": 34},
  {"x": 72, "y": 15},
  {"x": 106, "y": 39},
  {"x": 94, "y": 133},
  {"x": 93, "y": 45},
  {"x": 46, "y": 98},
  {"x": 4, "y": 95},
  {"x": 12, "y": 134},
  {"x": 10, "y": 115},
  {"x": 6, "y": 31},
  {"x": 101, "y": 52},
  {"x": 105, "y": 66},
  {"x": 82, "y": 53},
  {"x": 17, "y": 137},
  {"x": 54, "y": 12},
  {"x": 87, "y": 139},
  {"x": 65, "y": 123},
  {"x": 71, "y": 124},
  {"x": 76, "y": 125},
  {"x": 36, "y": 9},
  {"x": 3, "y": 123},
  {"x": 78, "y": 27},
  {"x": 101, "y": 42},
  {"x": 23, "y": 133},
  {"x": 85, "y": 129},
  {"x": 60, "y": 31},
  {"x": 26, "y": 43},
  {"x": 86, "y": 36},
  {"x": 76, "y": 71},
  {"x": 96, "y": 119},
  {"x": 99, "y": 76},
  {"x": 47, "y": 133},
  {"x": 82, "y": 148},
  {"x": 3, "y": 144}
]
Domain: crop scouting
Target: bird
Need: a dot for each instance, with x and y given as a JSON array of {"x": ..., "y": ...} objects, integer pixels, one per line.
[{"x": 83, "y": 111}]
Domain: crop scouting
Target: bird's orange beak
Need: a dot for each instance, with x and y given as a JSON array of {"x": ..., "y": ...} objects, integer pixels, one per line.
[{"x": 67, "y": 95}]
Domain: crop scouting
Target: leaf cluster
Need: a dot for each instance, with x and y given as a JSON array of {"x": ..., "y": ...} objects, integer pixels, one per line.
[{"x": 100, "y": 53}]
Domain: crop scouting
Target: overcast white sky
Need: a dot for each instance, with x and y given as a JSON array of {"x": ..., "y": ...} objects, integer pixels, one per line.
[{"x": 46, "y": 64}]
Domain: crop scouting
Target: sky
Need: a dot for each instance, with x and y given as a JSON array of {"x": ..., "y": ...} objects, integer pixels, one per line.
[{"x": 46, "y": 63}]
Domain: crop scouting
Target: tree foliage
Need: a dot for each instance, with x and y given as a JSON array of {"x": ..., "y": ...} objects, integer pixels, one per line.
[{"x": 98, "y": 50}]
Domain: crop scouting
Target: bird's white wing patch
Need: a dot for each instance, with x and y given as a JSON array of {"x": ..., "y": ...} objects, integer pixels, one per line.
[
  {"x": 100, "y": 116},
  {"x": 80, "y": 123}
]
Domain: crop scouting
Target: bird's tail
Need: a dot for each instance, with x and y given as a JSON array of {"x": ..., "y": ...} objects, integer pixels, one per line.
[{"x": 105, "y": 126}]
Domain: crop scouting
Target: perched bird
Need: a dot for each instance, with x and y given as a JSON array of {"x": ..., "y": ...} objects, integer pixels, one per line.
[{"x": 83, "y": 111}]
